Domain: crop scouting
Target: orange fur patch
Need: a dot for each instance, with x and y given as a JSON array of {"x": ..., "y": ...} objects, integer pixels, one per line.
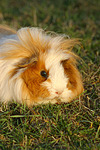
[{"x": 33, "y": 80}]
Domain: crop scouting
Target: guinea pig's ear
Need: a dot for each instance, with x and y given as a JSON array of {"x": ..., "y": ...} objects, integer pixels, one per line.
[
  {"x": 26, "y": 62},
  {"x": 67, "y": 45},
  {"x": 22, "y": 66}
]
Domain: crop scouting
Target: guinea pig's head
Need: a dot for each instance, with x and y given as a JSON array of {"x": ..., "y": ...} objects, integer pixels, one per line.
[{"x": 49, "y": 67}]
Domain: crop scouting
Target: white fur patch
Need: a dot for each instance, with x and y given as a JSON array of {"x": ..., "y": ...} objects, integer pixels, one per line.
[
  {"x": 10, "y": 89},
  {"x": 55, "y": 57},
  {"x": 57, "y": 86}
]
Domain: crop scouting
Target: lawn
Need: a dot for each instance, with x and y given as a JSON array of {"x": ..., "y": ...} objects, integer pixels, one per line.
[{"x": 72, "y": 126}]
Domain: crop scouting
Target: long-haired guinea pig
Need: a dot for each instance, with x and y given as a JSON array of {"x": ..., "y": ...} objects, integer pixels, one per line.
[{"x": 37, "y": 67}]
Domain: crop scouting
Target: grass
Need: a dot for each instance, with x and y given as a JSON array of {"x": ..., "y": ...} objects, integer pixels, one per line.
[{"x": 74, "y": 126}]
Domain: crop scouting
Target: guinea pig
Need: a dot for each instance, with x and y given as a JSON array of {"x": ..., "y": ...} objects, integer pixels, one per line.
[{"x": 37, "y": 67}]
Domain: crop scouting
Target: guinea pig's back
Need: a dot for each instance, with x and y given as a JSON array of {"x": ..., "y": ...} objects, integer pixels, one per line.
[
  {"x": 5, "y": 30},
  {"x": 6, "y": 34}
]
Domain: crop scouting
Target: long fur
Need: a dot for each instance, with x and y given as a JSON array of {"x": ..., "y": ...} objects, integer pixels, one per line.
[{"x": 24, "y": 54}]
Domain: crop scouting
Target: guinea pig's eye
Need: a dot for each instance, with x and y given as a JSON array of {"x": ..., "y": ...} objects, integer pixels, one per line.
[{"x": 44, "y": 74}]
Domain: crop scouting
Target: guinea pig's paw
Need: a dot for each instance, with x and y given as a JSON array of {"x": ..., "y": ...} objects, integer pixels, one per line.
[{"x": 46, "y": 101}]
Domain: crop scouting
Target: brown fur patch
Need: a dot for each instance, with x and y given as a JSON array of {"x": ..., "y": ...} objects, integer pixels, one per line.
[
  {"x": 33, "y": 81},
  {"x": 75, "y": 82}
]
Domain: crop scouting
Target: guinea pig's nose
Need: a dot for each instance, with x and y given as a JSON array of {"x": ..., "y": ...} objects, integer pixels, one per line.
[{"x": 58, "y": 92}]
